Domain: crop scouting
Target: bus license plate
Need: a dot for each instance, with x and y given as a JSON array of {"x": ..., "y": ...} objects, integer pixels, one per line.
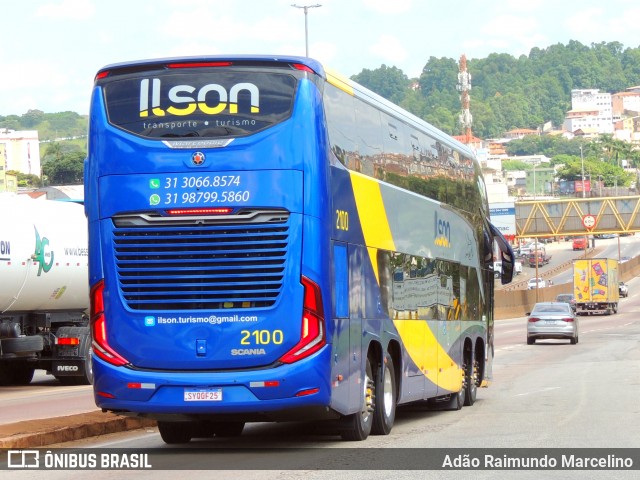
[{"x": 203, "y": 395}]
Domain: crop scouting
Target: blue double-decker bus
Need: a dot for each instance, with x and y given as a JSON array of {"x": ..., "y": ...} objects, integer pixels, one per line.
[{"x": 269, "y": 241}]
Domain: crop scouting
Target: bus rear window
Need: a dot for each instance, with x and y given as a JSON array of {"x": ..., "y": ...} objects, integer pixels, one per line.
[{"x": 204, "y": 103}]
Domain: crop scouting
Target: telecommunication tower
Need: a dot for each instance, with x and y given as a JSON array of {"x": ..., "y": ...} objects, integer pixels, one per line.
[{"x": 464, "y": 85}]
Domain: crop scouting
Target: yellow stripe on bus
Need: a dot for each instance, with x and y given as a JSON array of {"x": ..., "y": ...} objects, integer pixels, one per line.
[
  {"x": 339, "y": 81},
  {"x": 425, "y": 351},
  {"x": 373, "y": 217}
]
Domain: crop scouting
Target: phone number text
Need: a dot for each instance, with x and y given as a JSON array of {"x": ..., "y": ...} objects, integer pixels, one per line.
[
  {"x": 207, "y": 197},
  {"x": 204, "y": 181}
]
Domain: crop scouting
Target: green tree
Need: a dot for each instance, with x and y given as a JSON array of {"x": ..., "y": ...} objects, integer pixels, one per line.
[
  {"x": 388, "y": 82},
  {"x": 26, "y": 180},
  {"x": 511, "y": 165},
  {"x": 66, "y": 170}
]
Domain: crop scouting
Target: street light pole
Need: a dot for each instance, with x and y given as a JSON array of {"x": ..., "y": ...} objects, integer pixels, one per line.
[
  {"x": 306, "y": 29},
  {"x": 582, "y": 161},
  {"x": 586, "y": 237}
]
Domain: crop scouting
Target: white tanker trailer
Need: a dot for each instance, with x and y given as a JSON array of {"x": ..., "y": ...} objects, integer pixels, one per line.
[{"x": 44, "y": 294}]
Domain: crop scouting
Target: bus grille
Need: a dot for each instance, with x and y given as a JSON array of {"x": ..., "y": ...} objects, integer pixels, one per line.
[{"x": 202, "y": 263}]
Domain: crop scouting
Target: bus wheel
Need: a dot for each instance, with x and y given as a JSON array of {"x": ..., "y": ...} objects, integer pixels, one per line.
[
  {"x": 357, "y": 426},
  {"x": 386, "y": 390},
  {"x": 471, "y": 383},
  {"x": 175, "y": 432}
]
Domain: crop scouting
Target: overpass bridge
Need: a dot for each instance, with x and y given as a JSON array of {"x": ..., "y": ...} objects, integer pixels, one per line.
[{"x": 577, "y": 216}]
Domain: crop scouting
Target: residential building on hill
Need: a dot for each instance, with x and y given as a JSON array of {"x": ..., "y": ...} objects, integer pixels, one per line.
[
  {"x": 591, "y": 111},
  {"x": 20, "y": 151}
]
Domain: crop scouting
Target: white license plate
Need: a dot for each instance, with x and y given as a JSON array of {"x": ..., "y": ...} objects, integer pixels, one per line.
[{"x": 203, "y": 395}]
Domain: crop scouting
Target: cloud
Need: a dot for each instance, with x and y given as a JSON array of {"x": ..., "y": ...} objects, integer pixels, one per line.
[
  {"x": 388, "y": 6},
  {"x": 511, "y": 34},
  {"x": 390, "y": 49},
  {"x": 67, "y": 9},
  {"x": 623, "y": 27},
  {"x": 325, "y": 52},
  {"x": 30, "y": 86}
]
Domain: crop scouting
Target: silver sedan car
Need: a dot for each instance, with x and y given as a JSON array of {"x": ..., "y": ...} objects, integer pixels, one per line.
[{"x": 552, "y": 320}]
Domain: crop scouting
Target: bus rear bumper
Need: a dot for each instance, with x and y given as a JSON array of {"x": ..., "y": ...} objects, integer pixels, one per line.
[{"x": 281, "y": 393}]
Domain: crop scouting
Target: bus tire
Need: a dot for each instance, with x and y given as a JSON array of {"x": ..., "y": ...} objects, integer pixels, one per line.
[
  {"x": 471, "y": 383},
  {"x": 384, "y": 414},
  {"x": 175, "y": 432},
  {"x": 357, "y": 426}
]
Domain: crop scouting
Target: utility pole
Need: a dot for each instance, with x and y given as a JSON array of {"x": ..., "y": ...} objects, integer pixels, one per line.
[
  {"x": 306, "y": 29},
  {"x": 463, "y": 86}
]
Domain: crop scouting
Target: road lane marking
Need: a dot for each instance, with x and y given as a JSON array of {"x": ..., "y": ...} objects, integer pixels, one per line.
[{"x": 548, "y": 389}]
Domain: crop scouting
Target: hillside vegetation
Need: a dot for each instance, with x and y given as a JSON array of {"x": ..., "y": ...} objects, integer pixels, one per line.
[{"x": 509, "y": 92}]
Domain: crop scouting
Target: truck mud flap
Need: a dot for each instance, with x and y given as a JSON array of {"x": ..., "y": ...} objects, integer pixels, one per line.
[{"x": 68, "y": 368}]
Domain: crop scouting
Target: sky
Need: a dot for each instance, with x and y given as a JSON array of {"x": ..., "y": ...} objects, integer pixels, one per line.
[{"x": 50, "y": 50}]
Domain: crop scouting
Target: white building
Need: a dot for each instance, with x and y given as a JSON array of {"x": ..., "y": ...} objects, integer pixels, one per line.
[
  {"x": 625, "y": 104},
  {"x": 20, "y": 151},
  {"x": 591, "y": 112}
]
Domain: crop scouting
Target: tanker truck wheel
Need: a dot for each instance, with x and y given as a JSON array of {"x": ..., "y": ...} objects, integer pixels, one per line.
[
  {"x": 16, "y": 373},
  {"x": 87, "y": 378},
  {"x": 22, "y": 373}
]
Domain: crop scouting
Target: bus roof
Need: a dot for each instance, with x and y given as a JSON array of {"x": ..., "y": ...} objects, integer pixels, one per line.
[{"x": 248, "y": 59}]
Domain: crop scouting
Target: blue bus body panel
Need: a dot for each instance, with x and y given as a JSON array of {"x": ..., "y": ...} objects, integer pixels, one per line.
[{"x": 282, "y": 169}]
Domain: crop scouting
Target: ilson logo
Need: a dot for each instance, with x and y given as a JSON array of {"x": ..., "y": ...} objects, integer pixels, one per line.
[
  {"x": 442, "y": 232},
  {"x": 210, "y": 99},
  {"x": 41, "y": 253}
]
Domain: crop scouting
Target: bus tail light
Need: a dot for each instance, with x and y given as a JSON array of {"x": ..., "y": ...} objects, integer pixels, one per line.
[
  {"x": 99, "y": 329},
  {"x": 304, "y": 68},
  {"x": 312, "y": 335}
]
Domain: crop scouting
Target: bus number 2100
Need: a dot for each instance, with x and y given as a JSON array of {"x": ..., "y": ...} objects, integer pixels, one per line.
[
  {"x": 261, "y": 337},
  {"x": 342, "y": 220}
]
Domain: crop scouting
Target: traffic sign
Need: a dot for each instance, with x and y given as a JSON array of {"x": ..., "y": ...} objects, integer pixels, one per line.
[{"x": 589, "y": 221}]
